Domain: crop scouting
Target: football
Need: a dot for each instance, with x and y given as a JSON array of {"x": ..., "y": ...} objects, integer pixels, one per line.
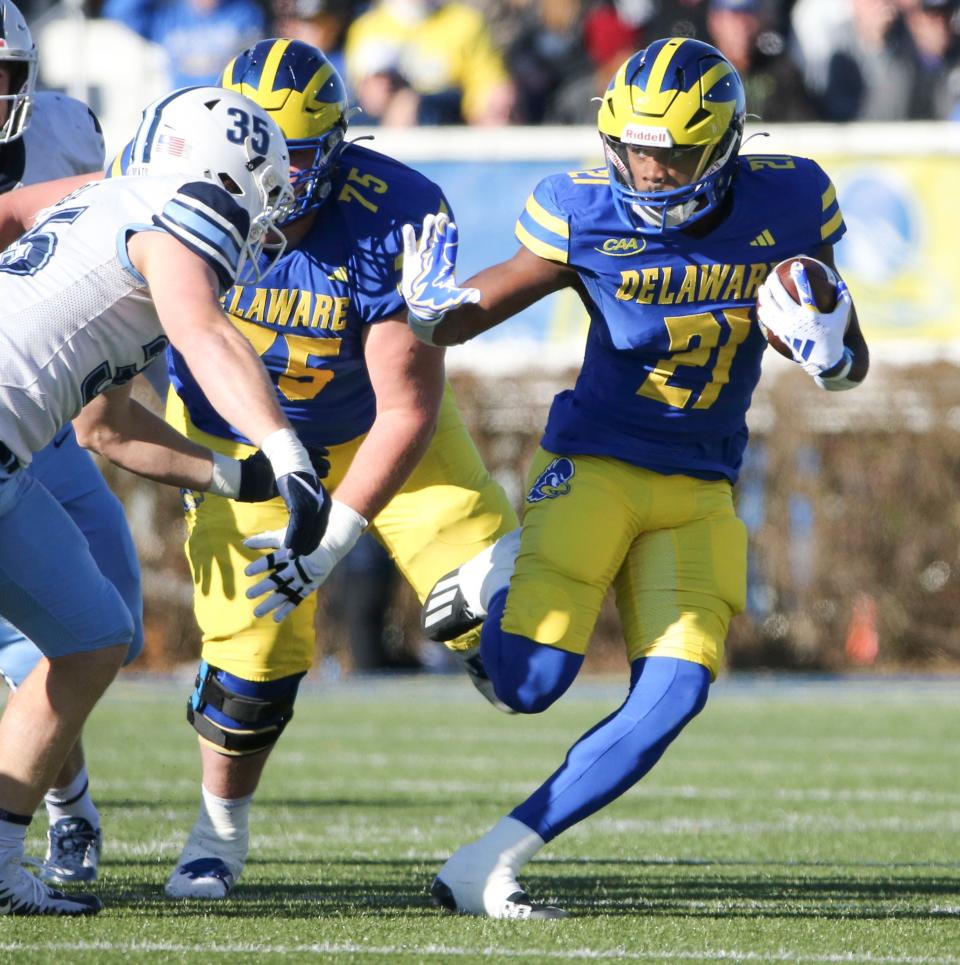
[{"x": 823, "y": 284}]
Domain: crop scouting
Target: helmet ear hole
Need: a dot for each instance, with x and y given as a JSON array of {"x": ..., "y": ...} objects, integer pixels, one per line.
[{"x": 229, "y": 183}]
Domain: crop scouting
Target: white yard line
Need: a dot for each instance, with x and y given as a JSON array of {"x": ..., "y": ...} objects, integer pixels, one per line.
[{"x": 573, "y": 954}]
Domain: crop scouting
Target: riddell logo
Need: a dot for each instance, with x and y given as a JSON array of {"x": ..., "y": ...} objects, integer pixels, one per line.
[
  {"x": 647, "y": 136},
  {"x": 619, "y": 247}
]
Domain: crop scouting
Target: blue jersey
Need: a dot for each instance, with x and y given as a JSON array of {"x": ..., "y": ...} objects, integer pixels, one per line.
[
  {"x": 306, "y": 317},
  {"x": 673, "y": 350}
]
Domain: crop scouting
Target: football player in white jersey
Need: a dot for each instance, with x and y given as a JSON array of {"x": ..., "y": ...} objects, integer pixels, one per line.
[
  {"x": 92, "y": 293},
  {"x": 45, "y": 136}
]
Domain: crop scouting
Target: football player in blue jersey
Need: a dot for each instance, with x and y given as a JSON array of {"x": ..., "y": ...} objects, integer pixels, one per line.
[
  {"x": 669, "y": 247},
  {"x": 330, "y": 325},
  {"x": 105, "y": 278}
]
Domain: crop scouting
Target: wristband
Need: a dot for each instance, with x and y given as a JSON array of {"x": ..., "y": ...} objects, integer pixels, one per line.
[
  {"x": 423, "y": 330},
  {"x": 344, "y": 528},
  {"x": 836, "y": 380},
  {"x": 225, "y": 480},
  {"x": 286, "y": 453}
]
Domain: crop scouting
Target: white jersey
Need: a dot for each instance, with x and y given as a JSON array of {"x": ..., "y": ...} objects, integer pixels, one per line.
[
  {"x": 62, "y": 139},
  {"x": 76, "y": 315}
]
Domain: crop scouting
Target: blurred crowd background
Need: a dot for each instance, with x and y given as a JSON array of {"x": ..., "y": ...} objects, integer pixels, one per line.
[
  {"x": 850, "y": 502},
  {"x": 497, "y": 62}
]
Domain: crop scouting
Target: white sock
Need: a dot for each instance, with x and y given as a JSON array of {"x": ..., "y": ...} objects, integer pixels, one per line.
[
  {"x": 12, "y": 836},
  {"x": 483, "y": 874},
  {"x": 221, "y": 829},
  {"x": 489, "y": 572},
  {"x": 72, "y": 801}
]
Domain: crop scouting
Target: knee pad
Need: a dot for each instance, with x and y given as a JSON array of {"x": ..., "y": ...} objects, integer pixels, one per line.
[
  {"x": 238, "y": 717},
  {"x": 527, "y": 676}
]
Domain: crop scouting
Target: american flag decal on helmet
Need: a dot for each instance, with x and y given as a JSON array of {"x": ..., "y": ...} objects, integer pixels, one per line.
[{"x": 172, "y": 145}]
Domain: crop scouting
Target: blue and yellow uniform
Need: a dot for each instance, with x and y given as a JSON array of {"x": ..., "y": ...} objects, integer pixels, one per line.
[
  {"x": 652, "y": 435},
  {"x": 668, "y": 247},
  {"x": 306, "y": 319}
]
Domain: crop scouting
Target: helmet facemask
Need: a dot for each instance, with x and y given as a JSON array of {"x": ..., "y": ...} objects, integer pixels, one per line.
[
  {"x": 277, "y": 201},
  {"x": 19, "y": 55},
  {"x": 706, "y": 168},
  {"x": 311, "y": 185}
]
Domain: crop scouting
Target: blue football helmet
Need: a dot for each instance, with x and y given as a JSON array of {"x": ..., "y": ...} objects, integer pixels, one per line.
[
  {"x": 682, "y": 102},
  {"x": 302, "y": 91}
]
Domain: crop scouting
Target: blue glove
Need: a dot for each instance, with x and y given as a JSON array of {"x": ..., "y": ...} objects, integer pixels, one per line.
[
  {"x": 309, "y": 507},
  {"x": 428, "y": 284}
]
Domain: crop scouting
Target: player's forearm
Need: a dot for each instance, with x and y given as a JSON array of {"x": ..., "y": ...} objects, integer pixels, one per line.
[
  {"x": 505, "y": 290},
  {"x": 234, "y": 381},
  {"x": 142, "y": 443},
  {"x": 464, "y": 323},
  {"x": 395, "y": 444}
]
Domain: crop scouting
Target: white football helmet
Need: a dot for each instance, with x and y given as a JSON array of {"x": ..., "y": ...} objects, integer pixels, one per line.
[
  {"x": 19, "y": 55},
  {"x": 221, "y": 136}
]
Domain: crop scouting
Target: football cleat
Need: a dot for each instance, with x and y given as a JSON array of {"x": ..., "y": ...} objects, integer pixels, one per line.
[
  {"x": 73, "y": 852},
  {"x": 201, "y": 878},
  {"x": 458, "y": 601},
  {"x": 517, "y": 905},
  {"x": 471, "y": 661},
  {"x": 446, "y": 615},
  {"x": 23, "y": 894},
  {"x": 481, "y": 877}
]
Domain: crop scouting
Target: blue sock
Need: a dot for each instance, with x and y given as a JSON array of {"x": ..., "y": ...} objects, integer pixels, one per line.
[
  {"x": 527, "y": 676},
  {"x": 665, "y": 694}
]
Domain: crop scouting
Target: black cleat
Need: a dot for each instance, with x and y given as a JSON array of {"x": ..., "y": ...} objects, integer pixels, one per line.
[{"x": 445, "y": 615}]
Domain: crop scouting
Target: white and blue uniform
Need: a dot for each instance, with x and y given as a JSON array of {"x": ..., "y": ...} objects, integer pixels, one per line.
[
  {"x": 63, "y": 139},
  {"x": 78, "y": 320}
]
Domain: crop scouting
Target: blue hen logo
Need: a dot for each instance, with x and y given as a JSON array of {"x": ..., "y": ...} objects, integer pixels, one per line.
[{"x": 554, "y": 481}]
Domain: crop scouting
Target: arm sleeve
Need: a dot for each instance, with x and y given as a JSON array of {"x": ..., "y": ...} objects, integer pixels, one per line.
[
  {"x": 210, "y": 223},
  {"x": 543, "y": 227}
]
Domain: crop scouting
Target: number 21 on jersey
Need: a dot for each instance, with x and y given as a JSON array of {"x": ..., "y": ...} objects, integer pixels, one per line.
[{"x": 695, "y": 342}]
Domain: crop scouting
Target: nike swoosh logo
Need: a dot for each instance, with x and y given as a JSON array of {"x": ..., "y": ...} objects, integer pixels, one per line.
[{"x": 316, "y": 493}]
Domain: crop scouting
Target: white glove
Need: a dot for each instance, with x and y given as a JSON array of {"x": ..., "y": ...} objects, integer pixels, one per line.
[
  {"x": 291, "y": 580},
  {"x": 428, "y": 284},
  {"x": 815, "y": 338}
]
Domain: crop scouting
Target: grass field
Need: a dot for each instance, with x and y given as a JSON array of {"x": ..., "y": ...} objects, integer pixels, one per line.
[{"x": 792, "y": 822}]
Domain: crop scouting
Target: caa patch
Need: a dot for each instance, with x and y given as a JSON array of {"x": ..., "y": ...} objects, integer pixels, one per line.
[{"x": 553, "y": 481}]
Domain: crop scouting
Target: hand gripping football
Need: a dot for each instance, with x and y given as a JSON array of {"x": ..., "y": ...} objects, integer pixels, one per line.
[{"x": 823, "y": 285}]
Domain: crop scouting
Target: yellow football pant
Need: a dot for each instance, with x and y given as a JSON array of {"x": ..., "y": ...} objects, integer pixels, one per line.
[
  {"x": 671, "y": 546},
  {"x": 448, "y": 510}
]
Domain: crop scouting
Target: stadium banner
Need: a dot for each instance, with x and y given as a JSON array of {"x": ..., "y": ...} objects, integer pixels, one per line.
[{"x": 898, "y": 257}]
